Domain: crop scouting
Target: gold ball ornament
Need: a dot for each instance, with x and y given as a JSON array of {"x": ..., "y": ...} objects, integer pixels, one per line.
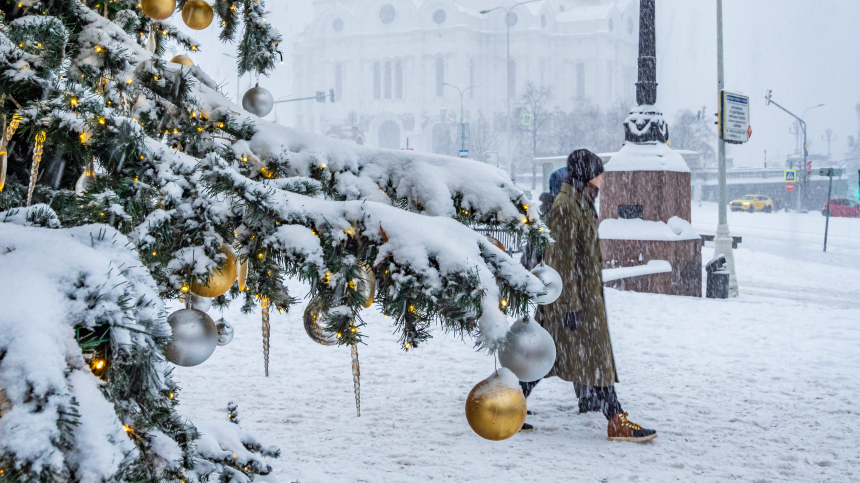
[
  {"x": 366, "y": 284},
  {"x": 496, "y": 407},
  {"x": 312, "y": 318},
  {"x": 197, "y": 14},
  {"x": 182, "y": 59},
  {"x": 221, "y": 279},
  {"x": 158, "y": 9}
]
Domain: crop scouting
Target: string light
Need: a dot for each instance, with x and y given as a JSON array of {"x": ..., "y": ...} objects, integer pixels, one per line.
[
  {"x": 171, "y": 395},
  {"x": 100, "y": 364},
  {"x": 504, "y": 303},
  {"x": 323, "y": 166},
  {"x": 73, "y": 102},
  {"x": 185, "y": 288},
  {"x": 154, "y": 253},
  {"x": 102, "y": 121}
]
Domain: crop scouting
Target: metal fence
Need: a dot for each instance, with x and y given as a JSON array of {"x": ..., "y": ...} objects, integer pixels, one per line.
[{"x": 512, "y": 241}]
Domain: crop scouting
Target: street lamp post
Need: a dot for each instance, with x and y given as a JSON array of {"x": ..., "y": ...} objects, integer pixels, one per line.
[
  {"x": 805, "y": 184},
  {"x": 508, "y": 70},
  {"x": 462, "y": 126}
]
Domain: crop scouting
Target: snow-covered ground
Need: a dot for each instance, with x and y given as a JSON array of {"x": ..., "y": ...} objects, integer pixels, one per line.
[{"x": 764, "y": 387}]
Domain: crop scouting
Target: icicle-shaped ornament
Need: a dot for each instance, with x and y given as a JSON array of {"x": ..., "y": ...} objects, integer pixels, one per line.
[
  {"x": 264, "y": 303},
  {"x": 37, "y": 158},
  {"x": 150, "y": 42},
  {"x": 8, "y": 133},
  {"x": 356, "y": 382}
]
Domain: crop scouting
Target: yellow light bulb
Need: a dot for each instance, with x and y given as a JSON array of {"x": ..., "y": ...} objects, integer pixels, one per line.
[
  {"x": 128, "y": 81},
  {"x": 171, "y": 395},
  {"x": 100, "y": 364},
  {"x": 504, "y": 303},
  {"x": 260, "y": 255},
  {"x": 101, "y": 120},
  {"x": 323, "y": 166},
  {"x": 185, "y": 288},
  {"x": 127, "y": 428},
  {"x": 526, "y": 207},
  {"x": 525, "y": 220},
  {"x": 193, "y": 47},
  {"x": 74, "y": 102},
  {"x": 199, "y": 129},
  {"x": 154, "y": 253}
]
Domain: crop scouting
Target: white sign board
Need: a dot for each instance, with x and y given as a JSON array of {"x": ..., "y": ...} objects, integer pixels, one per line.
[{"x": 734, "y": 118}]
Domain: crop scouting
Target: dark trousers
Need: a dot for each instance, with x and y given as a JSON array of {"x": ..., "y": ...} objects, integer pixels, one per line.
[{"x": 591, "y": 398}]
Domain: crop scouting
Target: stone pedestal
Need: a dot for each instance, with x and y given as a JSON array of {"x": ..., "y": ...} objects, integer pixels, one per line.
[{"x": 685, "y": 256}]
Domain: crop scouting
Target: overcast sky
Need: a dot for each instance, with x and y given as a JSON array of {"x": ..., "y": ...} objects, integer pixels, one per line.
[{"x": 807, "y": 51}]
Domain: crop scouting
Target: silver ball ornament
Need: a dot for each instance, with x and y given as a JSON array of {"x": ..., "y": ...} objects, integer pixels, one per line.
[
  {"x": 528, "y": 351},
  {"x": 313, "y": 324},
  {"x": 202, "y": 304},
  {"x": 258, "y": 101},
  {"x": 225, "y": 332},
  {"x": 551, "y": 282},
  {"x": 194, "y": 337}
]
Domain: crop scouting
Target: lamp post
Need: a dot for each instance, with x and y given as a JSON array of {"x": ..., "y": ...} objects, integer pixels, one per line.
[
  {"x": 723, "y": 239},
  {"x": 508, "y": 70},
  {"x": 805, "y": 183},
  {"x": 462, "y": 126}
]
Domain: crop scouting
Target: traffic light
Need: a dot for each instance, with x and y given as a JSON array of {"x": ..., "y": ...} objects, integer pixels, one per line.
[
  {"x": 768, "y": 96},
  {"x": 331, "y": 94}
]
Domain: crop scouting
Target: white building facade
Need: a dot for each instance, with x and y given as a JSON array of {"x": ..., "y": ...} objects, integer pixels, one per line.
[{"x": 388, "y": 62}]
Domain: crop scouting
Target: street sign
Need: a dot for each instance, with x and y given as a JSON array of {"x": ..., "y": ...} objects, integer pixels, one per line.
[
  {"x": 734, "y": 118},
  {"x": 464, "y": 153},
  {"x": 789, "y": 186},
  {"x": 527, "y": 119},
  {"x": 790, "y": 175}
]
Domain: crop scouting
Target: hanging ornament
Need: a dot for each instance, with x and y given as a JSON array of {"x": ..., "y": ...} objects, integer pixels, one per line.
[
  {"x": 312, "y": 319},
  {"x": 158, "y": 9},
  {"x": 264, "y": 303},
  {"x": 497, "y": 243},
  {"x": 182, "y": 59},
  {"x": 551, "y": 281},
  {"x": 8, "y": 132},
  {"x": 194, "y": 337},
  {"x": 88, "y": 177},
  {"x": 528, "y": 351},
  {"x": 2, "y": 169},
  {"x": 151, "y": 44},
  {"x": 225, "y": 331},
  {"x": 202, "y": 304},
  {"x": 496, "y": 407},
  {"x": 220, "y": 279},
  {"x": 258, "y": 101},
  {"x": 356, "y": 379},
  {"x": 5, "y": 403},
  {"x": 197, "y": 14},
  {"x": 366, "y": 284},
  {"x": 243, "y": 274},
  {"x": 34, "y": 170}
]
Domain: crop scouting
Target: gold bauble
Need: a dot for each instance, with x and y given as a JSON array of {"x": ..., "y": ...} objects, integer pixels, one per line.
[
  {"x": 495, "y": 410},
  {"x": 182, "y": 59},
  {"x": 220, "y": 280},
  {"x": 197, "y": 14},
  {"x": 366, "y": 284},
  {"x": 158, "y": 9},
  {"x": 312, "y": 321},
  {"x": 497, "y": 243}
]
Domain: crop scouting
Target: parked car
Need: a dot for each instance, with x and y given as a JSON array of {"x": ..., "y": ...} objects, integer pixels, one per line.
[
  {"x": 842, "y": 207},
  {"x": 752, "y": 203}
]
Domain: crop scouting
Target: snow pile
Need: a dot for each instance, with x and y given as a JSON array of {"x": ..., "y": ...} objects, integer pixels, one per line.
[
  {"x": 650, "y": 268},
  {"x": 636, "y": 229},
  {"x": 647, "y": 157},
  {"x": 501, "y": 378},
  {"x": 54, "y": 281}
]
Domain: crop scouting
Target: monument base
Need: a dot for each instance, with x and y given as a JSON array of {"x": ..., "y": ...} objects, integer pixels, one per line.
[{"x": 685, "y": 256}]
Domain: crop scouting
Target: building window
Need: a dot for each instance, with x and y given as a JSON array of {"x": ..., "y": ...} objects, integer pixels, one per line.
[
  {"x": 439, "y": 16},
  {"x": 398, "y": 79},
  {"x": 611, "y": 25},
  {"x": 377, "y": 80},
  {"x": 338, "y": 82},
  {"x": 440, "y": 77},
  {"x": 580, "y": 80},
  {"x": 388, "y": 79},
  {"x": 387, "y": 14},
  {"x": 512, "y": 79},
  {"x": 337, "y": 25}
]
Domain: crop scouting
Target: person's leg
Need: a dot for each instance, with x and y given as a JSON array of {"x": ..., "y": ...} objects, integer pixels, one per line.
[
  {"x": 528, "y": 386},
  {"x": 588, "y": 401},
  {"x": 607, "y": 401}
]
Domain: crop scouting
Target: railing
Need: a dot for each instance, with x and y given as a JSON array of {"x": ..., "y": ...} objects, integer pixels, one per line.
[{"x": 512, "y": 241}]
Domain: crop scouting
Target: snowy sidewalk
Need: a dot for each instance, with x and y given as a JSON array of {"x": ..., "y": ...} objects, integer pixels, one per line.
[{"x": 758, "y": 388}]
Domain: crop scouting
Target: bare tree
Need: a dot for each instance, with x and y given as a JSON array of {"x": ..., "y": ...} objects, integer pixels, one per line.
[
  {"x": 692, "y": 130},
  {"x": 483, "y": 138},
  {"x": 535, "y": 102}
]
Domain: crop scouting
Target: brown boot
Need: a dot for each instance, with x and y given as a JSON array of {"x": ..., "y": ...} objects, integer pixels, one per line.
[{"x": 620, "y": 429}]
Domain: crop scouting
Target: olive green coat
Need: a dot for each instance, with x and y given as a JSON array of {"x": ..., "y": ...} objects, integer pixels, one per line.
[{"x": 584, "y": 355}]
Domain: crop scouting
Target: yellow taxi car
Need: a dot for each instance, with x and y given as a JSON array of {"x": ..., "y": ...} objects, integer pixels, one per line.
[{"x": 752, "y": 203}]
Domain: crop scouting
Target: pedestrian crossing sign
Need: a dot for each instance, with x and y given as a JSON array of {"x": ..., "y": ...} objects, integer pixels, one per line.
[
  {"x": 527, "y": 119},
  {"x": 790, "y": 175}
]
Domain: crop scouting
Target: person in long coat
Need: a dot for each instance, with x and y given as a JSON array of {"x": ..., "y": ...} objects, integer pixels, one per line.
[{"x": 577, "y": 320}]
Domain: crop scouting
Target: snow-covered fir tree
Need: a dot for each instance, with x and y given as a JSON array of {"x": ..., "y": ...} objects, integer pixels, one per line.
[{"x": 171, "y": 178}]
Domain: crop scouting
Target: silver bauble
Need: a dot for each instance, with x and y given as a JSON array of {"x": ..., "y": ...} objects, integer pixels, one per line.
[
  {"x": 366, "y": 284},
  {"x": 200, "y": 303},
  {"x": 194, "y": 337},
  {"x": 528, "y": 351},
  {"x": 225, "y": 331},
  {"x": 258, "y": 101},
  {"x": 313, "y": 320},
  {"x": 551, "y": 282}
]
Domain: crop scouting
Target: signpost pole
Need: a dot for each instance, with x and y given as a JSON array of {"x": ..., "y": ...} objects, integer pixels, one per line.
[
  {"x": 723, "y": 239},
  {"x": 829, "y": 192}
]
